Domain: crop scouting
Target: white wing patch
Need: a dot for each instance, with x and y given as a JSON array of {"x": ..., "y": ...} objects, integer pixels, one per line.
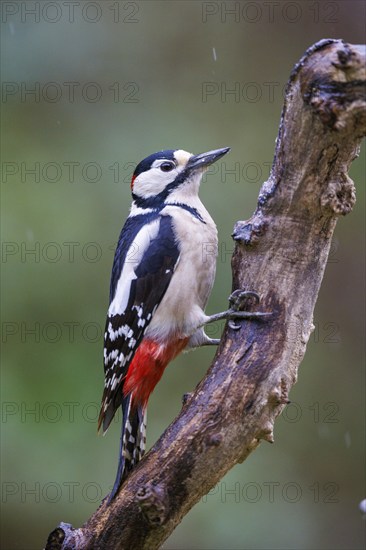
[{"x": 133, "y": 258}]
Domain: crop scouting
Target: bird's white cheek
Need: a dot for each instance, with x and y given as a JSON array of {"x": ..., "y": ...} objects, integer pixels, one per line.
[{"x": 152, "y": 183}]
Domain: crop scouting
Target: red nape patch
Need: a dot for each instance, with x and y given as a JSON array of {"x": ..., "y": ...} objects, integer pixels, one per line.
[
  {"x": 148, "y": 366},
  {"x": 133, "y": 179}
]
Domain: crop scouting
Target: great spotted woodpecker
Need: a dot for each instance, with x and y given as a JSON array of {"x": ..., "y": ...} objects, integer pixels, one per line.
[{"x": 163, "y": 272}]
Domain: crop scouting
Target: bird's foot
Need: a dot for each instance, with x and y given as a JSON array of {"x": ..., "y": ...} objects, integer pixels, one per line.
[{"x": 239, "y": 301}]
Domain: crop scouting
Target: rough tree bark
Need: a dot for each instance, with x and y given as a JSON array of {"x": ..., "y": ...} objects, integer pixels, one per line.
[{"x": 281, "y": 253}]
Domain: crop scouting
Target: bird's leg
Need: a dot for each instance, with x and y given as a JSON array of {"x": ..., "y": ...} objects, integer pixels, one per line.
[
  {"x": 199, "y": 338},
  {"x": 238, "y": 301},
  {"x": 211, "y": 342}
]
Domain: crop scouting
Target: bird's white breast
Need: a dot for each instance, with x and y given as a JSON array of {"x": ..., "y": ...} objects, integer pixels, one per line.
[{"x": 182, "y": 308}]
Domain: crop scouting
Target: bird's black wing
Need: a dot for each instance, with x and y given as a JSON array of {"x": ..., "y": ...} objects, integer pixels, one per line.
[{"x": 144, "y": 277}]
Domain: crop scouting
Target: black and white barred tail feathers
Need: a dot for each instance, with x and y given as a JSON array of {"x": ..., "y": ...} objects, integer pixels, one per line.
[
  {"x": 132, "y": 443},
  {"x": 149, "y": 254}
]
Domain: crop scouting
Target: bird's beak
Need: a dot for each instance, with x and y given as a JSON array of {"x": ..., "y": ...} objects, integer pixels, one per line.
[{"x": 203, "y": 160}]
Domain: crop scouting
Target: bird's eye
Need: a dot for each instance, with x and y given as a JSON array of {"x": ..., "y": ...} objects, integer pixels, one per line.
[{"x": 166, "y": 166}]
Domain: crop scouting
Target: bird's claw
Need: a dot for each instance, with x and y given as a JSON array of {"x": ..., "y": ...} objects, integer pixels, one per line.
[
  {"x": 239, "y": 301},
  {"x": 233, "y": 325}
]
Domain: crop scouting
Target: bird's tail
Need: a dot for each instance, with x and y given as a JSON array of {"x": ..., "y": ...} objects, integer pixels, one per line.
[{"x": 133, "y": 441}]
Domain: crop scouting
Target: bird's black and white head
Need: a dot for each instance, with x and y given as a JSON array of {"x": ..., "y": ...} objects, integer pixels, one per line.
[{"x": 173, "y": 174}]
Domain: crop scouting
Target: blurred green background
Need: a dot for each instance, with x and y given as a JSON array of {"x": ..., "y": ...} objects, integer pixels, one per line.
[{"x": 90, "y": 89}]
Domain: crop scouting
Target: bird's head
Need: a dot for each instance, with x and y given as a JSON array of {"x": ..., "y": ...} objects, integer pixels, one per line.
[{"x": 173, "y": 173}]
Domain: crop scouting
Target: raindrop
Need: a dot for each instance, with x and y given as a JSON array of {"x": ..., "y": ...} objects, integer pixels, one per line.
[
  {"x": 362, "y": 506},
  {"x": 30, "y": 235}
]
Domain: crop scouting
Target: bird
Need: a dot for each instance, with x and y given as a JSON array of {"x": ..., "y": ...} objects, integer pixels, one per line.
[{"x": 162, "y": 276}]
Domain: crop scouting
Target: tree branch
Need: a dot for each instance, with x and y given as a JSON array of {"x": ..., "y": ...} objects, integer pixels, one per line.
[{"x": 281, "y": 253}]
